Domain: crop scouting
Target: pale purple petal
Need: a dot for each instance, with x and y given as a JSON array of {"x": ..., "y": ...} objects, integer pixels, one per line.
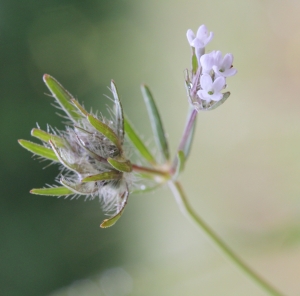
[
  {"x": 207, "y": 62},
  {"x": 219, "y": 84},
  {"x": 227, "y": 61},
  {"x": 206, "y": 82},
  {"x": 218, "y": 58},
  {"x": 217, "y": 71},
  {"x": 202, "y": 32},
  {"x": 229, "y": 72},
  {"x": 226, "y": 73},
  {"x": 204, "y": 95},
  {"x": 209, "y": 38},
  {"x": 190, "y": 36},
  {"x": 216, "y": 96}
]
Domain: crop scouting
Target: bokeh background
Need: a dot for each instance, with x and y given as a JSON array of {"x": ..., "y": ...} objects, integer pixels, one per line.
[{"x": 242, "y": 176}]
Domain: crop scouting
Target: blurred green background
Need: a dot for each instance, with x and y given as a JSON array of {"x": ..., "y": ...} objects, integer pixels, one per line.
[{"x": 242, "y": 176}]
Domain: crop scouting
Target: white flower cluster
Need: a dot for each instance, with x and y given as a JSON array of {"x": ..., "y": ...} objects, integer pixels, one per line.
[{"x": 209, "y": 72}]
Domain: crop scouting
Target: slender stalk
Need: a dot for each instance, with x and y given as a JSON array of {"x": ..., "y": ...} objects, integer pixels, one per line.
[
  {"x": 141, "y": 169},
  {"x": 186, "y": 208},
  {"x": 187, "y": 130}
]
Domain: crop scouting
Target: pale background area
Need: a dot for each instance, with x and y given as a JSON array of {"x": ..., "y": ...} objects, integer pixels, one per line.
[{"x": 242, "y": 176}]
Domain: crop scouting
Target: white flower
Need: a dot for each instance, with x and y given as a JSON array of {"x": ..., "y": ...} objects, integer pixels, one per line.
[
  {"x": 223, "y": 66},
  {"x": 207, "y": 61},
  {"x": 211, "y": 89},
  {"x": 201, "y": 39}
]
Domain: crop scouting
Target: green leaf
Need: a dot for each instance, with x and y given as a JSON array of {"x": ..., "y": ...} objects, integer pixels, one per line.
[
  {"x": 119, "y": 113},
  {"x": 46, "y": 137},
  {"x": 105, "y": 130},
  {"x": 179, "y": 164},
  {"x": 80, "y": 188},
  {"x": 194, "y": 62},
  {"x": 156, "y": 123},
  {"x": 79, "y": 108},
  {"x": 217, "y": 104},
  {"x": 55, "y": 191},
  {"x": 111, "y": 221},
  {"x": 62, "y": 96},
  {"x": 137, "y": 142},
  {"x": 122, "y": 166},
  {"x": 39, "y": 150},
  {"x": 112, "y": 175}
]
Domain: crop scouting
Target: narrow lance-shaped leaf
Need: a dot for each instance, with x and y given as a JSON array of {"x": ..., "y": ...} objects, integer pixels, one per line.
[
  {"x": 118, "y": 113},
  {"x": 39, "y": 150},
  {"x": 179, "y": 164},
  {"x": 80, "y": 188},
  {"x": 122, "y": 166},
  {"x": 111, "y": 175},
  {"x": 217, "y": 104},
  {"x": 111, "y": 221},
  {"x": 79, "y": 107},
  {"x": 137, "y": 142},
  {"x": 156, "y": 123},
  {"x": 105, "y": 130},
  {"x": 46, "y": 137},
  {"x": 194, "y": 61},
  {"x": 53, "y": 191},
  {"x": 62, "y": 96}
]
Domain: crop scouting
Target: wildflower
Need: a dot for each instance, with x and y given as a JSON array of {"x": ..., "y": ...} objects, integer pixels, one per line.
[
  {"x": 211, "y": 89},
  {"x": 201, "y": 39},
  {"x": 223, "y": 66},
  {"x": 90, "y": 152},
  {"x": 202, "y": 83}
]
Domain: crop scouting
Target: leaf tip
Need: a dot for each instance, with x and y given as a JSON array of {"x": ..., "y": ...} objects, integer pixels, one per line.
[
  {"x": 32, "y": 131},
  {"x": 144, "y": 86},
  {"x": 107, "y": 223},
  {"x": 21, "y": 142},
  {"x": 46, "y": 77}
]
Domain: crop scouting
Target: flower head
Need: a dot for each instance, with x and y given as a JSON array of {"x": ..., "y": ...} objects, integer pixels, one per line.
[
  {"x": 211, "y": 89},
  {"x": 201, "y": 39},
  {"x": 202, "y": 83},
  {"x": 223, "y": 66}
]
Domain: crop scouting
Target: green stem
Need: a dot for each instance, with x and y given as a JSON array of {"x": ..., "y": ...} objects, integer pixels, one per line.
[
  {"x": 216, "y": 240},
  {"x": 155, "y": 172}
]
